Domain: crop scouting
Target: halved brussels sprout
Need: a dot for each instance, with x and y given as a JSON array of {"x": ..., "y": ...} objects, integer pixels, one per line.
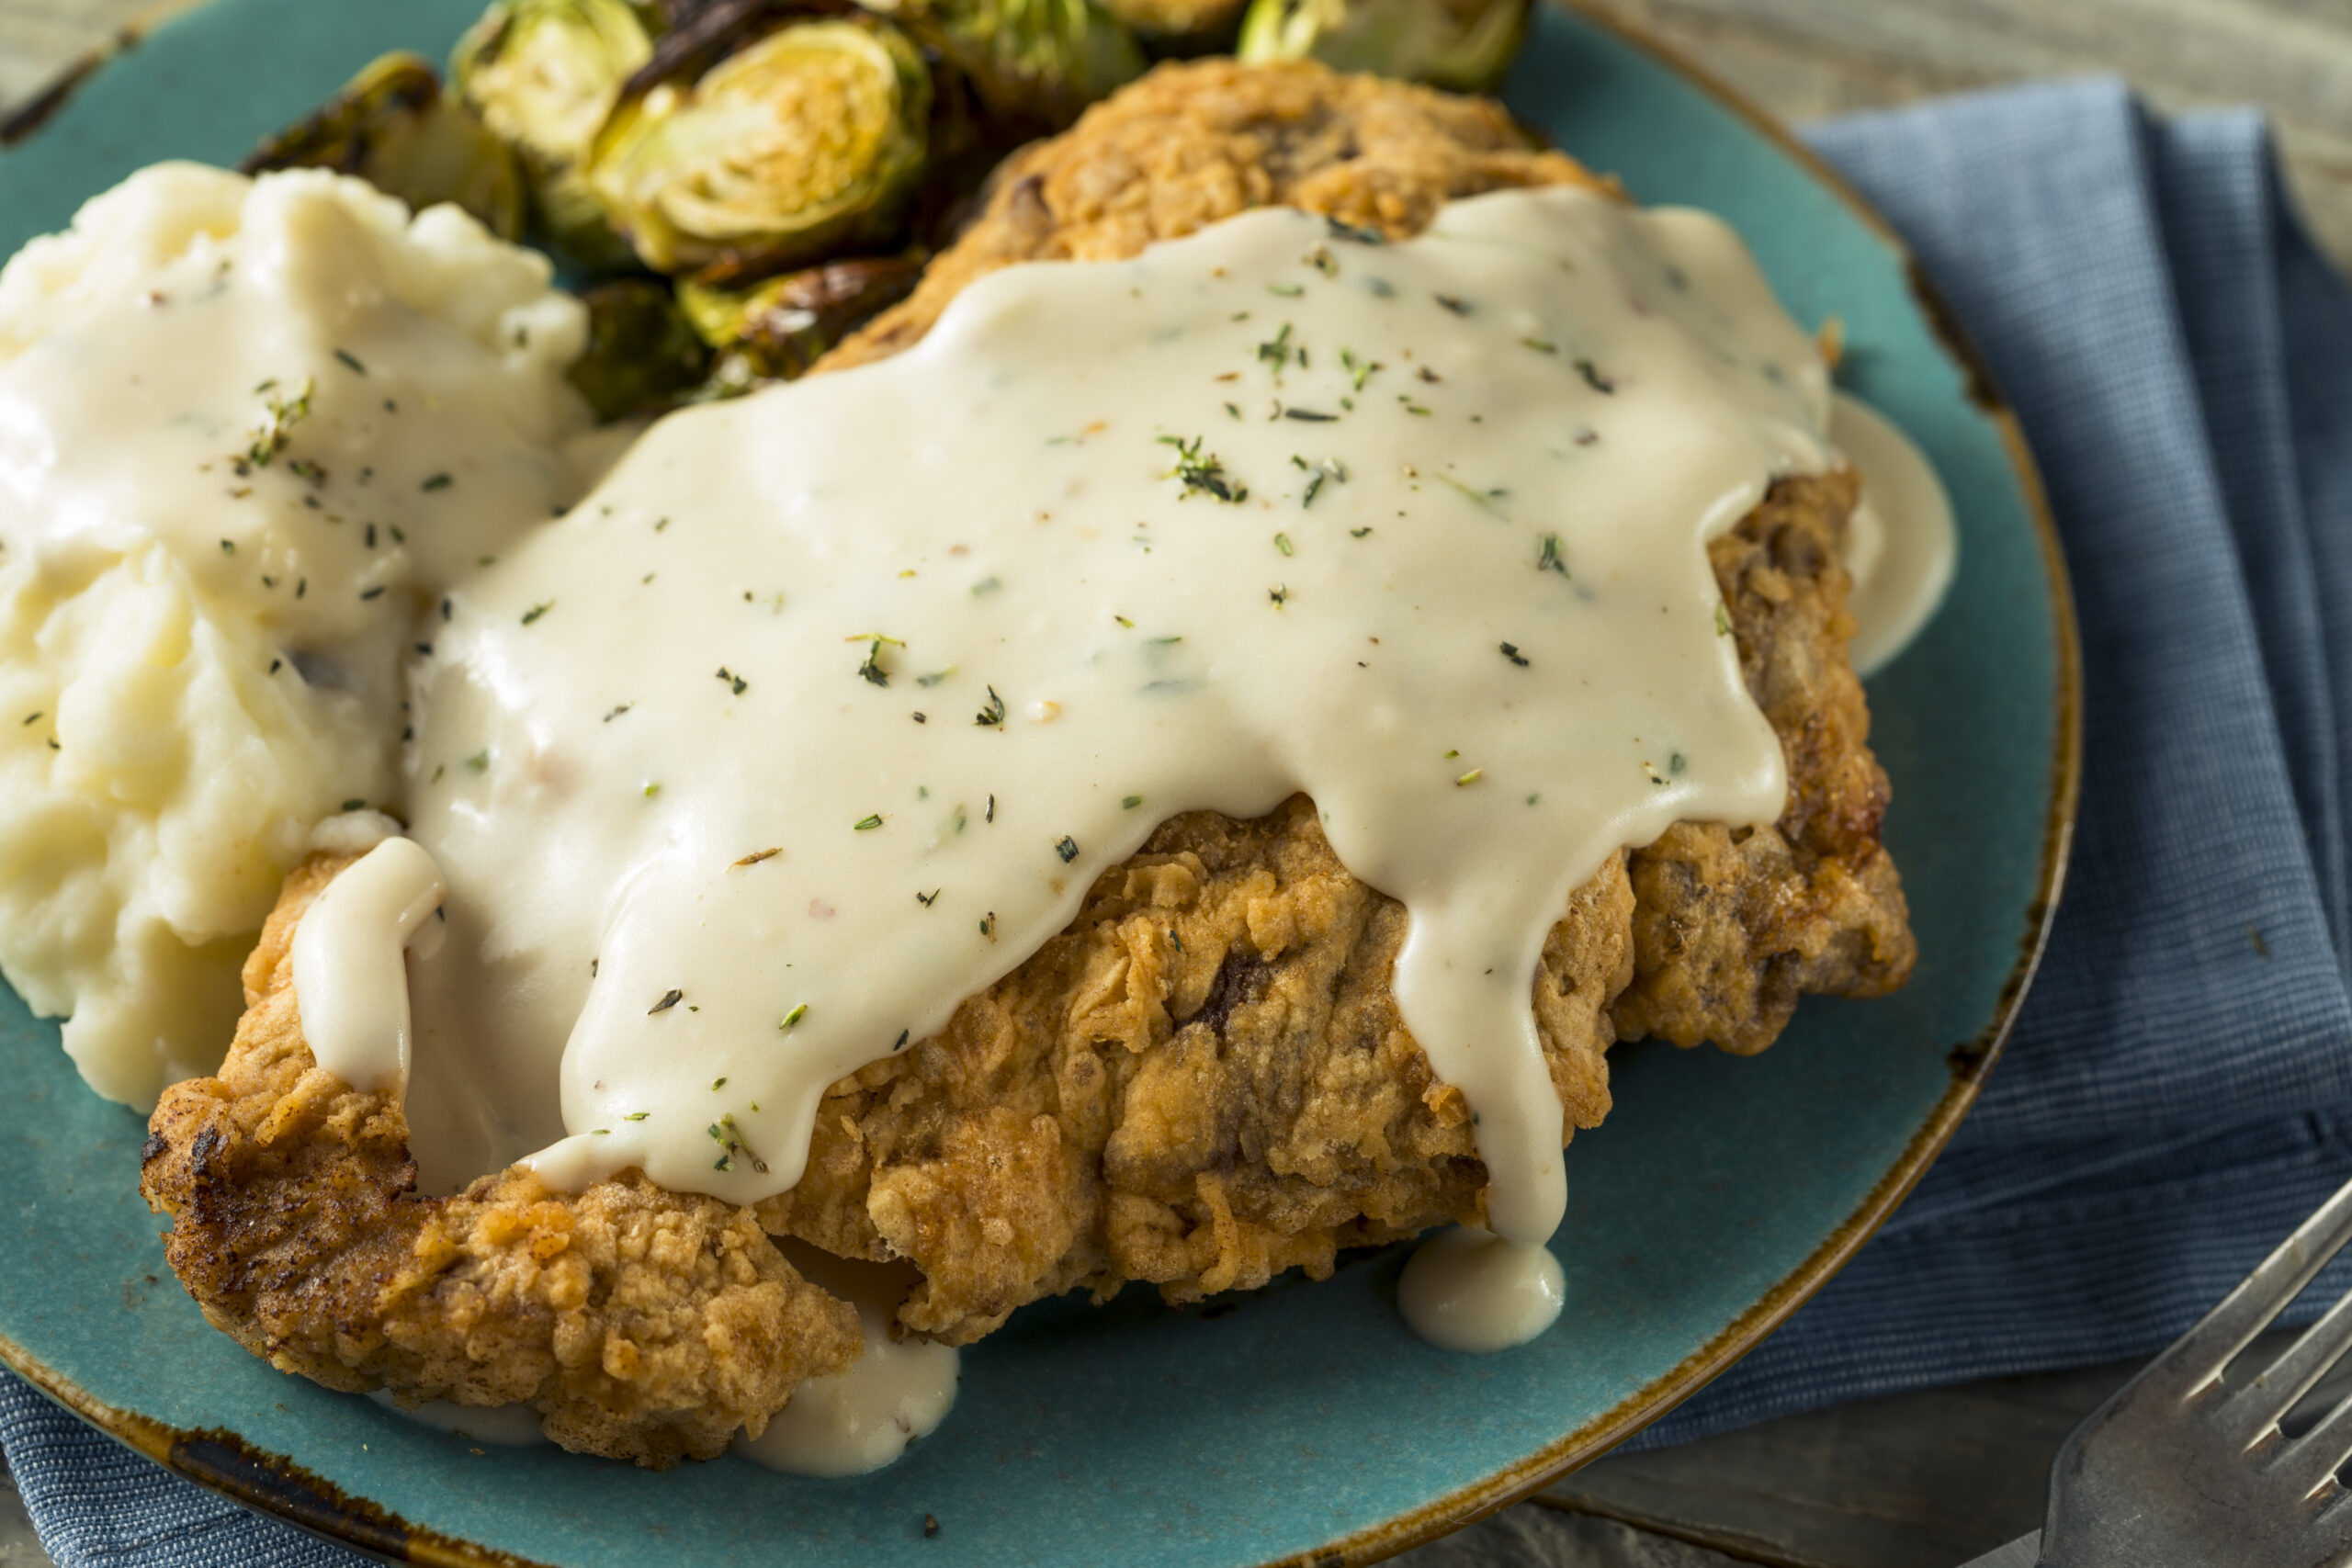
[
  {"x": 808, "y": 141},
  {"x": 642, "y": 356},
  {"x": 391, "y": 125},
  {"x": 543, "y": 74},
  {"x": 1036, "y": 60},
  {"x": 778, "y": 329},
  {"x": 1465, "y": 45}
]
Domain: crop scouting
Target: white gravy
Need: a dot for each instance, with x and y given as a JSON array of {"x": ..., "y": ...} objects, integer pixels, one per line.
[
  {"x": 1901, "y": 544},
  {"x": 825, "y": 710},
  {"x": 351, "y": 963},
  {"x": 896, "y": 1390},
  {"x": 495, "y": 1425},
  {"x": 1465, "y": 1290}
]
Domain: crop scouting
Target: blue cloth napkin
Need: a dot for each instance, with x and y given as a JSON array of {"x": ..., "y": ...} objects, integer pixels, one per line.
[{"x": 2178, "y": 1093}]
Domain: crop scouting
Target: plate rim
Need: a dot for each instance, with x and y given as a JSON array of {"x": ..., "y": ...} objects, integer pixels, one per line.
[{"x": 273, "y": 1485}]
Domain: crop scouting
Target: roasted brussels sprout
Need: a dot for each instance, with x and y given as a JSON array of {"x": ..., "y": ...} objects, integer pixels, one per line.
[
  {"x": 543, "y": 74},
  {"x": 1036, "y": 60},
  {"x": 778, "y": 329},
  {"x": 1465, "y": 45},
  {"x": 642, "y": 356},
  {"x": 1179, "y": 27},
  {"x": 807, "y": 141},
  {"x": 391, "y": 125}
]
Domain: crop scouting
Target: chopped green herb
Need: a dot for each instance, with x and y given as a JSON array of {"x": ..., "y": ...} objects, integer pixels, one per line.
[
  {"x": 1276, "y": 351},
  {"x": 1067, "y": 847},
  {"x": 1359, "y": 532},
  {"x": 935, "y": 677},
  {"x": 478, "y": 763},
  {"x": 993, "y": 714},
  {"x": 670, "y": 999},
  {"x": 730, "y": 1142},
  {"x": 986, "y": 586},
  {"x": 1280, "y": 595},
  {"x": 1473, "y": 776},
  {"x": 1202, "y": 472},
  {"x": 438, "y": 481},
  {"x": 756, "y": 856},
  {"x": 1549, "y": 557},
  {"x": 637, "y": 1116},
  {"x": 717, "y": 1084},
  {"x": 1282, "y": 543},
  {"x": 735, "y": 681},
  {"x": 227, "y": 547},
  {"x": 652, "y": 788},
  {"x": 352, "y": 363},
  {"x": 1459, "y": 306},
  {"x": 353, "y": 805},
  {"x": 795, "y": 1016},
  {"x": 1511, "y": 651},
  {"x": 536, "y": 611},
  {"x": 1131, "y": 803},
  {"x": 1539, "y": 345},
  {"x": 866, "y": 823},
  {"x": 1593, "y": 377},
  {"x": 1288, "y": 290},
  {"x": 619, "y": 711},
  {"x": 1483, "y": 498},
  {"x": 1723, "y": 622},
  {"x": 285, "y": 413},
  {"x": 1676, "y": 762}
]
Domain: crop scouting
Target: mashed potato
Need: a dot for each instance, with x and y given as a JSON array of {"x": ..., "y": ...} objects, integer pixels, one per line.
[{"x": 250, "y": 432}]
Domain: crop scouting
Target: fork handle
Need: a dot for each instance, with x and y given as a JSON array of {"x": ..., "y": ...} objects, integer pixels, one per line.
[{"x": 2023, "y": 1553}]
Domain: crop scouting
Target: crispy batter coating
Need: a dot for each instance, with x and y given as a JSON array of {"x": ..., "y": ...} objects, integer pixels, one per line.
[
  {"x": 640, "y": 1323},
  {"x": 1189, "y": 144},
  {"x": 1200, "y": 1083}
]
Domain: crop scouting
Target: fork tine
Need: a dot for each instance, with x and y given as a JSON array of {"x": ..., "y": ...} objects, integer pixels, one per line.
[
  {"x": 2258, "y": 1407},
  {"x": 2308, "y": 1461},
  {"x": 2196, "y": 1358}
]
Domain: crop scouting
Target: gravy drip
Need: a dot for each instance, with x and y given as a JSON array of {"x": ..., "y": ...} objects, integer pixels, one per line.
[{"x": 826, "y": 709}]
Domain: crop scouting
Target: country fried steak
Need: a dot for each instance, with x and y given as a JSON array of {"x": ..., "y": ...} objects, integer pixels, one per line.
[{"x": 1203, "y": 1082}]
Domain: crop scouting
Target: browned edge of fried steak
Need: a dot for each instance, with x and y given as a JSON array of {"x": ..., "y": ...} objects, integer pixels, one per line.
[{"x": 1203, "y": 1082}]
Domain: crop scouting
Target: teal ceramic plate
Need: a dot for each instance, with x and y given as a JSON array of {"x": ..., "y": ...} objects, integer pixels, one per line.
[{"x": 1296, "y": 1424}]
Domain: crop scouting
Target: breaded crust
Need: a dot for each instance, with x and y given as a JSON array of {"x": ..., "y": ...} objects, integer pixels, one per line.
[
  {"x": 640, "y": 1323},
  {"x": 1203, "y": 1080}
]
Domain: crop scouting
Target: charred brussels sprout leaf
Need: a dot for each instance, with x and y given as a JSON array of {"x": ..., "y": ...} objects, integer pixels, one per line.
[
  {"x": 1035, "y": 60},
  {"x": 642, "y": 354},
  {"x": 778, "y": 329},
  {"x": 391, "y": 125},
  {"x": 1465, "y": 45},
  {"x": 543, "y": 75},
  {"x": 807, "y": 141}
]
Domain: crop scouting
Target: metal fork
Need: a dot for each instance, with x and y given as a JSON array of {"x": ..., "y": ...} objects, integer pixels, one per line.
[{"x": 2177, "y": 1472}]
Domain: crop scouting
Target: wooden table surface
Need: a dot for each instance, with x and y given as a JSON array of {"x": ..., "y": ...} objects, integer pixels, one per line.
[{"x": 1918, "y": 1481}]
